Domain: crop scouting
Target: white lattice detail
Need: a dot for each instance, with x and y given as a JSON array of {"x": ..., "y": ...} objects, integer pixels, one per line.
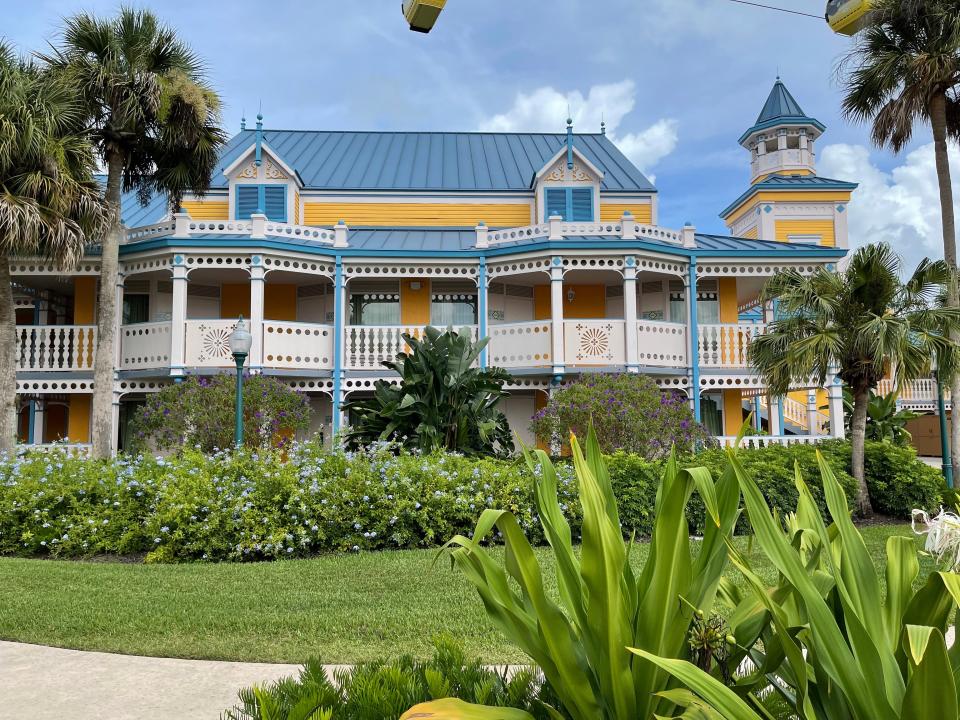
[
  {"x": 517, "y": 234},
  {"x": 297, "y": 345},
  {"x": 594, "y": 342},
  {"x": 57, "y": 348},
  {"x": 661, "y": 344},
  {"x": 220, "y": 227},
  {"x": 514, "y": 345},
  {"x": 759, "y": 441},
  {"x": 150, "y": 231},
  {"x": 208, "y": 343},
  {"x": 302, "y": 232},
  {"x": 657, "y": 233}
]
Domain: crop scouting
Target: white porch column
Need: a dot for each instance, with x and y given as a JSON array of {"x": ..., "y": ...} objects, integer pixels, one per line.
[
  {"x": 115, "y": 423},
  {"x": 773, "y": 415},
  {"x": 812, "y": 428},
  {"x": 39, "y": 413},
  {"x": 630, "y": 312},
  {"x": 117, "y": 350},
  {"x": 556, "y": 314},
  {"x": 257, "y": 276},
  {"x": 178, "y": 316},
  {"x": 835, "y": 391}
]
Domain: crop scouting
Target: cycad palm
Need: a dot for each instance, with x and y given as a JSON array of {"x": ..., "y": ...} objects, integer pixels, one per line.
[
  {"x": 49, "y": 201},
  {"x": 860, "y": 322},
  {"x": 905, "y": 69},
  {"x": 156, "y": 127}
]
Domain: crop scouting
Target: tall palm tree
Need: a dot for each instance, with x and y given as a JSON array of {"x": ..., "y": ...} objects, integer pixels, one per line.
[
  {"x": 156, "y": 127},
  {"x": 905, "y": 69},
  {"x": 863, "y": 320},
  {"x": 50, "y": 203}
]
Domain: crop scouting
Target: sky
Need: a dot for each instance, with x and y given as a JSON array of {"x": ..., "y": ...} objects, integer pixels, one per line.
[{"x": 676, "y": 81}]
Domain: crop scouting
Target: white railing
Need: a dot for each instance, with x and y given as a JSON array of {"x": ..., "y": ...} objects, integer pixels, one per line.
[
  {"x": 590, "y": 228},
  {"x": 148, "y": 231},
  {"x": 725, "y": 345},
  {"x": 526, "y": 232},
  {"x": 655, "y": 232},
  {"x": 759, "y": 441},
  {"x": 208, "y": 343},
  {"x": 306, "y": 232},
  {"x": 368, "y": 346},
  {"x": 661, "y": 344},
  {"x": 526, "y": 344},
  {"x": 297, "y": 345},
  {"x": 594, "y": 342},
  {"x": 145, "y": 345},
  {"x": 55, "y": 347},
  {"x": 220, "y": 227}
]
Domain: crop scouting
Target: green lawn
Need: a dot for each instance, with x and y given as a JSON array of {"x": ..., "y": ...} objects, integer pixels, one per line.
[{"x": 341, "y": 608}]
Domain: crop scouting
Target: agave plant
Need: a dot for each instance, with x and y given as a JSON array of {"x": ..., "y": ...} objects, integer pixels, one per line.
[
  {"x": 580, "y": 643},
  {"x": 826, "y": 638},
  {"x": 442, "y": 401}
]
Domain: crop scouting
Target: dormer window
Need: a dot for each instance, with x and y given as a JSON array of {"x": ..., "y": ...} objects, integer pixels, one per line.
[
  {"x": 272, "y": 199},
  {"x": 573, "y": 204}
]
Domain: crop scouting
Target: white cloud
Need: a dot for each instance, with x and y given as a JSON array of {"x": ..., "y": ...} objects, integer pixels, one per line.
[
  {"x": 902, "y": 206},
  {"x": 546, "y": 109}
]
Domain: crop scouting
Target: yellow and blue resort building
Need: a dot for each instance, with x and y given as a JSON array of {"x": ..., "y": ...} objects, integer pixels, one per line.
[{"x": 335, "y": 244}]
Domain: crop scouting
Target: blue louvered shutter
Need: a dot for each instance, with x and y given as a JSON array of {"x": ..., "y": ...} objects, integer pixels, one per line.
[
  {"x": 581, "y": 205},
  {"x": 275, "y": 202},
  {"x": 246, "y": 201},
  {"x": 556, "y": 202}
]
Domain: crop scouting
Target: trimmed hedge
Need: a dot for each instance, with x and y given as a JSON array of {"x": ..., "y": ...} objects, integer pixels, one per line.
[{"x": 244, "y": 506}]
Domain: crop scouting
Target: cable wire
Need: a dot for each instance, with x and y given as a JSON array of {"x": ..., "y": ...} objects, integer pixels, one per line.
[{"x": 771, "y": 7}]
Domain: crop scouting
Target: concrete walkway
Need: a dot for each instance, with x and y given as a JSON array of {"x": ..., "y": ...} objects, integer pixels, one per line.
[{"x": 45, "y": 683}]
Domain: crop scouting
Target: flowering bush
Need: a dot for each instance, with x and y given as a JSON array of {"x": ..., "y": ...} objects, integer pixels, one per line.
[
  {"x": 245, "y": 505},
  {"x": 200, "y": 411},
  {"x": 629, "y": 413}
]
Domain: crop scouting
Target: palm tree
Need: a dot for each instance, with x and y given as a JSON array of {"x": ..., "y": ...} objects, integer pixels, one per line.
[
  {"x": 863, "y": 320},
  {"x": 50, "y": 203},
  {"x": 156, "y": 127},
  {"x": 905, "y": 68}
]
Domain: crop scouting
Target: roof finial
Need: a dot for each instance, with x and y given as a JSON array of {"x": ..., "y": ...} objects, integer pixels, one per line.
[
  {"x": 259, "y": 150},
  {"x": 569, "y": 141},
  {"x": 243, "y": 119},
  {"x": 603, "y": 125}
]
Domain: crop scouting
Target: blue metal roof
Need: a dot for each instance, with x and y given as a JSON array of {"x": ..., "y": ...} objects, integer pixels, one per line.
[
  {"x": 134, "y": 213},
  {"x": 781, "y": 109},
  {"x": 431, "y": 161},
  {"x": 789, "y": 182}
]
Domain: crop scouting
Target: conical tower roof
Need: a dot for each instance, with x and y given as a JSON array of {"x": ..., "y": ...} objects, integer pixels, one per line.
[{"x": 781, "y": 108}]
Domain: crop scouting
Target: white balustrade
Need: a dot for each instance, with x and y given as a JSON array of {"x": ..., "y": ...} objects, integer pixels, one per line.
[
  {"x": 297, "y": 345},
  {"x": 525, "y": 344},
  {"x": 220, "y": 227},
  {"x": 661, "y": 344},
  {"x": 150, "y": 231},
  {"x": 725, "y": 345},
  {"x": 145, "y": 345},
  {"x": 590, "y": 228},
  {"x": 759, "y": 441},
  {"x": 305, "y": 232},
  {"x": 56, "y": 347},
  {"x": 515, "y": 234},
  {"x": 655, "y": 232},
  {"x": 594, "y": 342},
  {"x": 368, "y": 346},
  {"x": 208, "y": 343}
]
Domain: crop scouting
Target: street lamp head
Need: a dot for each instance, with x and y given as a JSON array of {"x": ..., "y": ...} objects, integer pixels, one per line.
[{"x": 240, "y": 339}]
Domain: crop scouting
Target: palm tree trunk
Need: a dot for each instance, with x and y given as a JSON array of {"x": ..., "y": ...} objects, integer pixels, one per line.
[
  {"x": 8, "y": 359},
  {"x": 938, "y": 122},
  {"x": 858, "y": 432},
  {"x": 103, "y": 367}
]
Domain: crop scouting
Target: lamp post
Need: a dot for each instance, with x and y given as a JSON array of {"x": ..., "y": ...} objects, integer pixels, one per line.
[{"x": 240, "y": 342}]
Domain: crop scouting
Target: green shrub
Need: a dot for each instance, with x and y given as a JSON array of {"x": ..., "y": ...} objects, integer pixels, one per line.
[
  {"x": 200, "y": 412},
  {"x": 629, "y": 412},
  {"x": 384, "y": 690}
]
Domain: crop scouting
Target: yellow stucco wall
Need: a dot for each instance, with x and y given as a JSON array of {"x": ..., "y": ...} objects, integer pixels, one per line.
[
  {"x": 296, "y": 208},
  {"x": 417, "y": 214},
  {"x": 280, "y": 302},
  {"x": 611, "y": 212},
  {"x": 234, "y": 300},
  {"x": 84, "y": 300},
  {"x": 78, "y": 424},
  {"x": 727, "y": 292},
  {"x": 786, "y": 196},
  {"x": 589, "y": 301},
  {"x": 415, "y": 303},
  {"x": 751, "y": 233},
  {"x": 206, "y": 209},
  {"x": 732, "y": 411},
  {"x": 823, "y": 228}
]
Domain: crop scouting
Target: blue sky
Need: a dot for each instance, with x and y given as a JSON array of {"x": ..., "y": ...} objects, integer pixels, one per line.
[{"x": 676, "y": 80}]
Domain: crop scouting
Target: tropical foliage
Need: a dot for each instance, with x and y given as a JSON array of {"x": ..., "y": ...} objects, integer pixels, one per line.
[
  {"x": 904, "y": 69},
  {"x": 443, "y": 401},
  {"x": 886, "y": 422},
  {"x": 49, "y": 202},
  {"x": 826, "y": 638},
  {"x": 384, "y": 690},
  {"x": 579, "y": 641},
  {"x": 857, "y": 323},
  {"x": 629, "y": 412},
  {"x": 156, "y": 127},
  {"x": 199, "y": 413}
]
